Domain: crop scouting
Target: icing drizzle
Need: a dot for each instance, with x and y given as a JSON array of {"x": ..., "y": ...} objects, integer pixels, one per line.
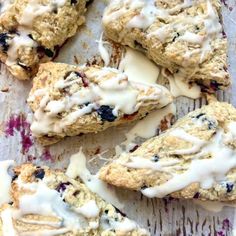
[
  {"x": 5, "y": 181},
  {"x": 202, "y": 170},
  {"x": 109, "y": 88}
]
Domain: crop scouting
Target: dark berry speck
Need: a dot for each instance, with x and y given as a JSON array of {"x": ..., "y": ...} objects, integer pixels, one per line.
[
  {"x": 106, "y": 114},
  {"x": 155, "y": 158},
  {"x": 3, "y": 41},
  {"x": 39, "y": 173},
  {"x": 196, "y": 195},
  {"x": 229, "y": 187},
  {"x": 62, "y": 187},
  {"x": 73, "y": 2}
]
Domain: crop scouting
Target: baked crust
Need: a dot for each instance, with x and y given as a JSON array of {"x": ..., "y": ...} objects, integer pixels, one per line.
[
  {"x": 187, "y": 38},
  {"x": 206, "y": 134},
  {"x": 31, "y": 32},
  {"x": 70, "y": 196},
  {"x": 100, "y": 117}
]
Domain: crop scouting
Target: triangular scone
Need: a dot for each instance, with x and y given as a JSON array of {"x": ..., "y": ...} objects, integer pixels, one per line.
[
  {"x": 32, "y": 31},
  {"x": 47, "y": 202},
  {"x": 194, "y": 159},
  {"x": 69, "y": 100},
  {"x": 184, "y": 36}
]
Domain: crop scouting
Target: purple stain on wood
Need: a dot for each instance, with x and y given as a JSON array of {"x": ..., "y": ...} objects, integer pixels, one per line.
[
  {"x": 220, "y": 233},
  {"x": 19, "y": 124},
  {"x": 46, "y": 156},
  {"x": 226, "y": 224}
]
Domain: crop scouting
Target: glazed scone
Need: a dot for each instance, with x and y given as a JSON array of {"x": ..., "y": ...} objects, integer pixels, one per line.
[
  {"x": 184, "y": 36},
  {"x": 31, "y": 32},
  {"x": 48, "y": 202},
  {"x": 69, "y": 100},
  {"x": 196, "y": 158}
]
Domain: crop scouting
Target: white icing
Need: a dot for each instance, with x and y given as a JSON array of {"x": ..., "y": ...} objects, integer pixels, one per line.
[
  {"x": 133, "y": 4},
  {"x": 197, "y": 143},
  {"x": 55, "y": 224},
  {"x": 5, "y": 4},
  {"x": 77, "y": 167},
  {"x": 7, "y": 223},
  {"x": 123, "y": 225},
  {"x": 191, "y": 38},
  {"x": 50, "y": 232},
  {"x": 178, "y": 87},
  {"x": 33, "y": 9},
  {"x": 5, "y": 181},
  {"x": 115, "y": 91},
  {"x": 21, "y": 40},
  {"x": 138, "y": 67},
  {"x": 148, "y": 13},
  {"x": 143, "y": 163},
  {"x": 48, "y": 202},
  {"x": 205, "y": 171},
  {"x": 126, "y": 225},
  {"x": 147, "y": 16},
  {"x": 103, "y": 51},
  {"x": 147, "y": 127},
  {"x": 89, "y": 209}
]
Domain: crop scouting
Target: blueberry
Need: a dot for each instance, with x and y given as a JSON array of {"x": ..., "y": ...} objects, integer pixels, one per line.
[
  {"x": 155, "y": 158},
  {"x": 196, "y": 195},
  {"x": 106, "y": 211},
  {"x": 62, "y": 187},
  {"x": 39, "y": 173},
  {"x": 106, "y": 114},
  {"x": 229, "y": 187},
  {"x": 3, "y": 41}
]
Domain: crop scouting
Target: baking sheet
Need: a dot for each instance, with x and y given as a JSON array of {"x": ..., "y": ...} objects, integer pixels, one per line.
[{"x": 161, "y": 217}]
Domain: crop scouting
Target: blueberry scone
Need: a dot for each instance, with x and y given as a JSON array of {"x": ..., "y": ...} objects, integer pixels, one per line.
[
  {"x": 48, "y": 202},
  {"x": 69, "y": 100},
  {"x": 32, "y": 31},
  {"x": 194, "y": 159},
  {"x": 182, "y": 35}
]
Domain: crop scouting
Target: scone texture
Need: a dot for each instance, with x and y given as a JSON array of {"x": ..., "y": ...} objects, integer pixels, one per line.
[
  {"x": 184, "y": 36},
  {"x": 67, "y": 100},
  {"x": 75, "y": 209},
  {"x": 196, "y": 158},
  {"x": 32, "y": 32}
]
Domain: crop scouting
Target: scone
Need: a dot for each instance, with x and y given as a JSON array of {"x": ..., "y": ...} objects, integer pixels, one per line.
[
  {"x": 47, "y": 202},
  {"x": 184, "y": 36},
  {"x": 69, "y": 100},
  {"x": 194, "y": 159},
  {"x": 32, "y": 31}
]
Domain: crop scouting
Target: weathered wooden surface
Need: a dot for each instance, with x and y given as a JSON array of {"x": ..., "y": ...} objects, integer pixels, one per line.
[{"x": 162, "y": 217}]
